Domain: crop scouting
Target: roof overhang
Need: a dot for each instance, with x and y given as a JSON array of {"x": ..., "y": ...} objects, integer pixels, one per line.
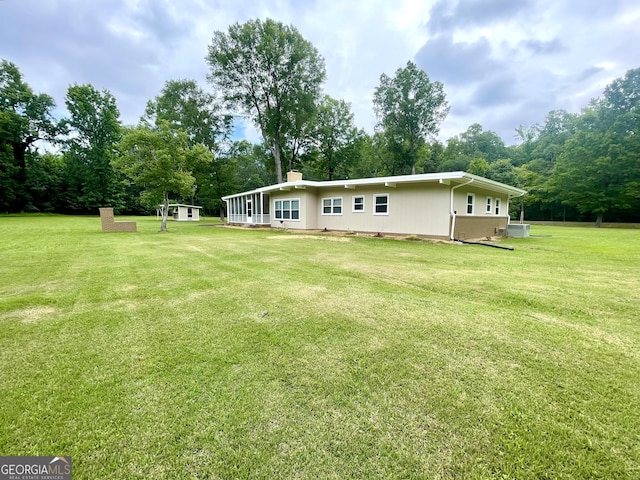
[
  {"x": 180, "y": 205},
  {"x": 446, "y": 178}
]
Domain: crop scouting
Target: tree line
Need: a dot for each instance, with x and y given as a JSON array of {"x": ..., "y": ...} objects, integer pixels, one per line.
[{"x": 575, "y": 166}]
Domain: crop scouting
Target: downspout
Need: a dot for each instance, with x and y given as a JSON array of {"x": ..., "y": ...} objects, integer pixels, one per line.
[{"x": 452, "y": 211}]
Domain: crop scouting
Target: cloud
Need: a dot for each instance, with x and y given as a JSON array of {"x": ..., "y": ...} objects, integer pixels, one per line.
[
  {"x": 456, "y": 63},
  {"x": 498, "y": 90},
  {"x": 589, "y": 73},
  {"x": 446, "y": 15},
  {"x": 503, "y": 62},
  {"x": 542, "y": 47}
]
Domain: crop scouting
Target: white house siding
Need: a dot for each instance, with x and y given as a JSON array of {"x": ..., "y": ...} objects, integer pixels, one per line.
[
  {"x": 417, "y": 204},
  {"x": 481, "y": 195},
  {"x": 481, "y": 223},
  {"x": 413, "y": 208},
  {"x": 307, "y": 198}
]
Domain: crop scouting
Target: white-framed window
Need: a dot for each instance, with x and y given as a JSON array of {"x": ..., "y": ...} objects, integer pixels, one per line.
[
  {"x": 381, "y": 204},
  {"x": 471, "y": 199},
  {"x": 287, "y": 209},
  {"x": 489, "y": 205},
  {"x": 358, "y": 203},
  {"x": 332, "y": 206},
  {"x": 497, "y": 206}
]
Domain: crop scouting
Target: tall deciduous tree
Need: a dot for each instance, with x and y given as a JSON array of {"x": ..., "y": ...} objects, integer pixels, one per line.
[
  {"x": 598, "y": 170},
  {"x": 25, "y": 118},
  {"x": 269, "y": 72},
  {"x": 160, "y": 160},
  {"x": 334, "y": 137},
  {"x": 409, "y": 108},
  {"x": 187, "y": 107},
  {"x": 94, "y": 128}
]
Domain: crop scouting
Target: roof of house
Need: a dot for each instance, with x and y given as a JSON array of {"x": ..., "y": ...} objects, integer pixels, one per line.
[
  {"x": 447, "y": 178},
  {"x": 180, "y": 205}
]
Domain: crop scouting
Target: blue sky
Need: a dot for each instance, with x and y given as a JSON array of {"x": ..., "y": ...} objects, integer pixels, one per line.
[{"x": 504, "y": 63}]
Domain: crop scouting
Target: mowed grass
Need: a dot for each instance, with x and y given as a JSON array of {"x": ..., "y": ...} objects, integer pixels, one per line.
[{"x": 211, "y": 352}]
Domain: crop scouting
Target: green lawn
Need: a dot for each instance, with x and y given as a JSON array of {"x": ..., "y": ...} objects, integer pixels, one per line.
[{"x": 210, "y": 352}]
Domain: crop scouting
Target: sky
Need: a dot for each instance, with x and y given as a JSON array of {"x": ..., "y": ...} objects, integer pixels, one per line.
[{"x": 503, "y": 63}]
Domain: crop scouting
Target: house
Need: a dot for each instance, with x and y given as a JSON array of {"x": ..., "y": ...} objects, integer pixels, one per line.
[
  {"x": 181, "y": 212},
  {"x": 451, "y": 205}
]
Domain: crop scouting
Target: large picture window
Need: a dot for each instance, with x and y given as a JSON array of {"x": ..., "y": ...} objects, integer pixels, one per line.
[
  {"x": 332, "y": 206},
  {"x": 287, "y": 209},
  {"x": 381, "y": 204}
]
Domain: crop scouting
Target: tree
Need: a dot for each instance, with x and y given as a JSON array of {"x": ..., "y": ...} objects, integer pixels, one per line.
[
  {"x": 185, "y": 106},
  {"x": 334, "y": 137},
  {"x": 250, "y": 166},
  {"x": 94, "y": 128},
  {"x": 45, "y": 181},
  {"x": 369, "y": 157},
  {"x": 590, "y": 162},
  {"x": 598, "y": 170},
  {"x": 270, "y": 73},
  {"x": 527, "y": 137},
  {"x": 25, "y": 119},
  {"x": 623, "y": 94},
  {"x": 160, "y": 161},
  {"x": 409, "y": 108},
  {"x": 542, "y": 197},
  {"x": 483, "y": 143}
]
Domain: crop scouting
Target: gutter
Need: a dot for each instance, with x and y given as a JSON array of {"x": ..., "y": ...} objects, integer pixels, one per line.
[{"x": 452, "y": 211}]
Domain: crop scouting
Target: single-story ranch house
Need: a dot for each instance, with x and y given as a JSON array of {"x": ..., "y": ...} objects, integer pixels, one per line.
[{"x": 452, "y": 205}]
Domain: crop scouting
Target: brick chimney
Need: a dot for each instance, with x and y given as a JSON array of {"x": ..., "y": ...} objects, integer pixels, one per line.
[{"x": 293, "y": 176}]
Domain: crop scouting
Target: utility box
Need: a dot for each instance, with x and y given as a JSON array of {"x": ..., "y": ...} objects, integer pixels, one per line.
[{"x": 518, "y": 230}]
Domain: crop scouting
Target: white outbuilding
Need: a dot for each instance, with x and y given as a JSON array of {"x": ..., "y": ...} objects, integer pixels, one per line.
[{"x": 181, "y": 212}]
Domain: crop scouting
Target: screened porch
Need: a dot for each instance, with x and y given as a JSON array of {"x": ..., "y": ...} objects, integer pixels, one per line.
[{"x": 250, "y": 209}]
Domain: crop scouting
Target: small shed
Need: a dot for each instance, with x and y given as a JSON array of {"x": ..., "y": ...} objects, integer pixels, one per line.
[{"x": 181, "y": 212}]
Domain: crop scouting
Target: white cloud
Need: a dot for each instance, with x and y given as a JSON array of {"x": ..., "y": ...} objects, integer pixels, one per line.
[{"x": 503, "y": 63}]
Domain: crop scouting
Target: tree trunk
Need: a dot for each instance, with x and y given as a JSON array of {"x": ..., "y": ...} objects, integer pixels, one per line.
[
  {"x": 277, "y": 158},
  {"x": 165, "y": 212},
  {"x": 599, "y": 220},
  {"x": 275, "y": 149},
  {"x": 221, "y": 214}
]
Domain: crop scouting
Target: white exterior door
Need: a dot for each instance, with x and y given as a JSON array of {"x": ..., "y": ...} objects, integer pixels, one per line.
[{"x": 249, "y": 210}]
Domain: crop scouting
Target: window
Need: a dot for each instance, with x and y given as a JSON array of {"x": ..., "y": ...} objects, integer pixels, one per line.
[
  {"x": 358, "y": 203},
  {"x": 470, "y": 200},
  {"x": 489, "y": 205},
  {"x": 189, "y": 213},
  {"x": 381, "y": 203},
  {"x": 332, "y": 206},
  {"x": 287, "y": 209},
  {"x": 497, "y": 205}
]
